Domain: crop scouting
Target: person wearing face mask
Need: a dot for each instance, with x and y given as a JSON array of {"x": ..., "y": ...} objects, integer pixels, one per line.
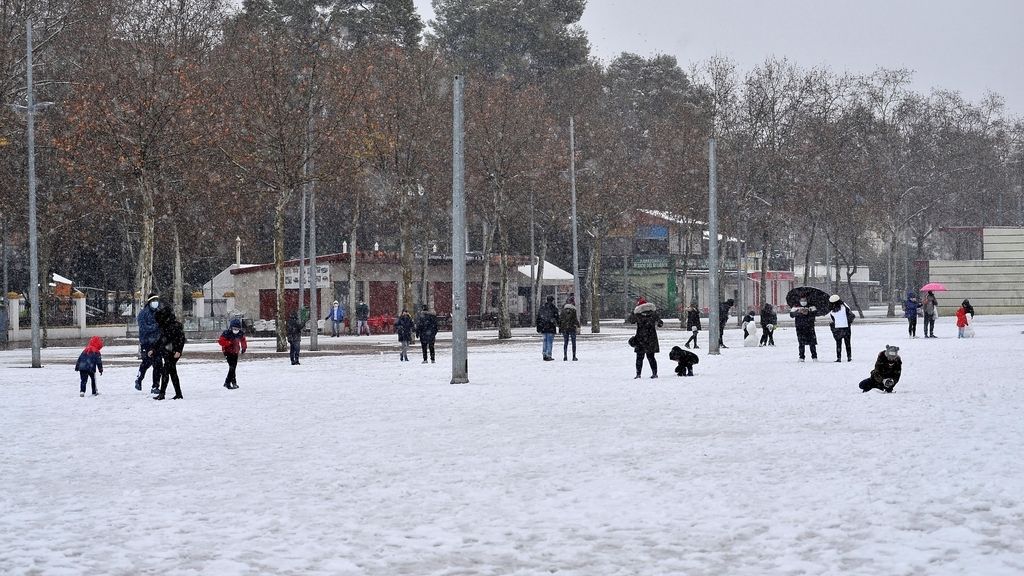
[
  {"x": 149, "y": 334},
  {"x": 803, "y": 315},
  {"x": 232, "y": 343},
  {"x": 885, "y": 376}
]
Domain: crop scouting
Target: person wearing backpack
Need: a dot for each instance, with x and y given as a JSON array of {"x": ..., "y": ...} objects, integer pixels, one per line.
[
  {"x": 842, "y": 318},
  {"x": 547, "y": 324}
]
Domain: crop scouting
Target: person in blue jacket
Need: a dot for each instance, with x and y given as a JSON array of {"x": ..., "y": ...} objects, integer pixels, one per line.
[
  {"x": 337, "y": 318},
  {"x": 910, "y": 306},
  {"x": 149, "y": 334}
]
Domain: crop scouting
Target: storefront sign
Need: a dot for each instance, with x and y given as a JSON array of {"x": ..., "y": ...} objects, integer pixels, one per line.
[{"x": 323, "y": 276}]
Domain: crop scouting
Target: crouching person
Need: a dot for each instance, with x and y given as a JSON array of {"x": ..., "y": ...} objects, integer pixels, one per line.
[
  {"x": 685, "y": 360},
  {"x": 886, "y": 374}
]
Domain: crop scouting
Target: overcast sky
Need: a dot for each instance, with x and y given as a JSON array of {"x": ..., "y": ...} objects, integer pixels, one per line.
[{"x": 966, "y": 45}]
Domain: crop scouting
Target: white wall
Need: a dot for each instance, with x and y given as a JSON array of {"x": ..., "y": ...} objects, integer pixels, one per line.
[{"x": 992, "y": 286}]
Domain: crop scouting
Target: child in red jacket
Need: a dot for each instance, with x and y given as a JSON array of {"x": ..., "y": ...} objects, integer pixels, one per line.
[
  {"x": 961, "y": 321},
  {"x": 89, "y": 362},
  {"x": 232, "y": 343}
]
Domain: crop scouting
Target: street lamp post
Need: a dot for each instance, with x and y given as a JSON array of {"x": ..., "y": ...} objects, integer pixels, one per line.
[
  {"x": 575, "y": 243},
  {"x": 460, "y": 362},
  {"x": 30, "y": 109}
]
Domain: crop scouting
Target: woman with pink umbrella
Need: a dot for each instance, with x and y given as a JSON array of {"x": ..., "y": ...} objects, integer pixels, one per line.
[{"x": 930, "y": 306}]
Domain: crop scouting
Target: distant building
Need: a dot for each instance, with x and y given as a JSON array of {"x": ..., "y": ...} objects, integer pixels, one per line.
[
  {"x": 865, "y": 290},
  {"x": 994, "y": 283}
]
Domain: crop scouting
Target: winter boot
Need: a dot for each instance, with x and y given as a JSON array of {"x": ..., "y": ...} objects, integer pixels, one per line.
[
  {"x": 81, "y": 394},
  {"x": 158, "y": 397}
]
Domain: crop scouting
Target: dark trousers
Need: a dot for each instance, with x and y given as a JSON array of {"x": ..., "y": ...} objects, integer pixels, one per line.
[
  {"x": 293, "y": 351},
  {"x": 650, "y": 360},
  {"x": 767, "y": 336},
  {"x": 814, "y": 350},
  {"x": 869, "y": 383},
  {"x": 170, "y": 373},
  {"x": 693, "y": 338},
  {"x": 156, "y": 361},
  {"x": 929, "y": 325},
  {"x": 912, "y": 327},
  {"x": 427, "y": 345},
  {"x": 88, "y": 376},
  {"x": 841, "y": 335},
  {"x": 232, "y": 362},
  {"x": 721, "y": 332},
  {"x": 566, "y": 338},
  {"x": 684, "y": 369}
]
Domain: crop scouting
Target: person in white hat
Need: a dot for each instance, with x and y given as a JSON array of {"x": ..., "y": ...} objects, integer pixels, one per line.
[
  {"x": 842, "y": 318},
  {"x": 337, "y": 318}
]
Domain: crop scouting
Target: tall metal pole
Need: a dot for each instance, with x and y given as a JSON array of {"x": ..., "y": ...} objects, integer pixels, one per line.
[
  {"x": 572, "y": 186},
  {"x": 314, "y": 299},
  {"x": 33, "y": 248},
  {"x": 460, "y": 362},
  {"x": 302, "y": 244},
  {"x": 713, "y": 298}
]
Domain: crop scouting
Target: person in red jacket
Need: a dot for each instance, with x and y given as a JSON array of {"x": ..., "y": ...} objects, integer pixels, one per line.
[
  {"x": 961, "y": 320},
  {"x": 232, "y": 343},
  {"x": 89, "y": 362}
]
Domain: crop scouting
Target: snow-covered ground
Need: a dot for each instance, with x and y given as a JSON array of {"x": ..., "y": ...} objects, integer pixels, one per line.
[{"x": 360, "y": 464}]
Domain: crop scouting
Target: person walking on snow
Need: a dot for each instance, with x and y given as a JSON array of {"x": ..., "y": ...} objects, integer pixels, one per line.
[
  {"x": 769, "y": 319},
  {"x": 693, "y": 324},
  {"x": 232, "y": 344},
  {"x": 426, "y": 331},
  {"x": 362, "y": 318},
  {"x": 404, "y": 327},
  {"x": 89, "y": 362},
  {"x": 803, "y": 316},
  {"x": 294, "y": 327},
  {"x": 931, "y": 310},
  {"x": 149, "y": 333},
  {"x": 569, "y": 326},
  {"x": 842, "y": 320},
  {"x": 723, "y": 318},
  {"x": 645, "y": 342},
  {"x": 547, "y": 325},
  {"x": 885, "y": 376},
  {"x": 910, "y": 307},
  {"x": 337, "y": 318},
  {"x": 171, "y": 343}
]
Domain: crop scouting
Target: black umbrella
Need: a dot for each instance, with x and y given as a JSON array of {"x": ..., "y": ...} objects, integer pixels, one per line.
[{"x": 814, "y": 297}]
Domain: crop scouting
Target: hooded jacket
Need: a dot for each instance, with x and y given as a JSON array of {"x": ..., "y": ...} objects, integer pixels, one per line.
[
  {"x": 647, "y": 321},
  {"x": 768, "y": 316},
  {"x": 91, "y": 360},
  {"x": 172, "y": 333},
  {"x": 568, "y": 320},
  {"x": 885, "y": 368},
  {"x": 910, "y": 306},
  {"x": 149, "y": 330},
  {"x": 231, "y": 343},
  {"x": 404, "y": 327},
  {"x": 426, "y": 326}
]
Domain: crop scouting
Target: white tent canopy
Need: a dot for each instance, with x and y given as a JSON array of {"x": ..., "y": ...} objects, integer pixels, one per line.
[{"x": 553, "y": 275}]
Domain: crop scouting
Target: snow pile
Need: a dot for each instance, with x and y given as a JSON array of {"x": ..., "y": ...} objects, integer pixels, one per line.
[{"x": 365, "y": 465}]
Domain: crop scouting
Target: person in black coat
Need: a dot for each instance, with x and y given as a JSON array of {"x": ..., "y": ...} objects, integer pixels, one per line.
[
  {"x": 723, "y": 318},
  {"x": 887, "y": 372},
  {"x": 171, "y": 343},
  {"x": 645, "y": 342},
  {"x": 967, "y": 306},
  {"x": 769, "y": 319},
  {"x": 426, "y": 331},
  {"x": 404, "y": 328},
  {"x": 803, "y": 316},
  {"x": 685, "y": 360},
  {"x": 693, "y": 324},
  {"x": 149, "y": 333},
  {"x": 294, "y": 328}
]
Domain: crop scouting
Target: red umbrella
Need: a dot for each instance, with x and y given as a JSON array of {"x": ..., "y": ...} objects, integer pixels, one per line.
[{"x": 933, "y": 287}]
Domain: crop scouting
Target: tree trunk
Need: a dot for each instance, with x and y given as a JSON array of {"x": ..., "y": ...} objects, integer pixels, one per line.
[
  {"x": 424, "y": 293},
  {"x": 807, "y": 253},
  {"x": 280, "y": 328},
  {"x": 405, "y": 232},
  {"x": 504, "y": 323},
  {"x": 890, "y": 269},
  {"x": 144, "y": 262},
  {"x": 538, "y": 282},
  {"x": 595, "y": 290},
  {"x": 766, "y": 249},
  {"x": 485, "y": 288},
  {"x": 179, "y": 289}
]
